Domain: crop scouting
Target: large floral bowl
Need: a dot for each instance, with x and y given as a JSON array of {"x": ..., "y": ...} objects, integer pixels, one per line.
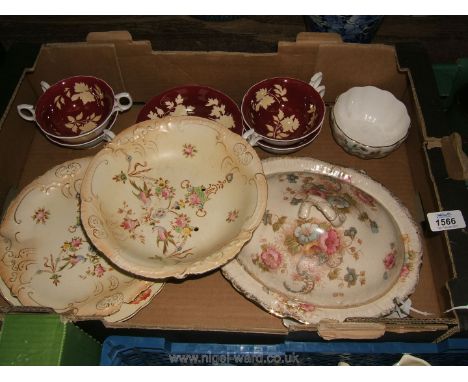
[
  {"x": 369, "y": 122},
  {"x": 75, "y": 110},
  {"x": 173, "y": 197},
  {"x": 327, "y": 249},
  {"x": 283, "y": 111},
  {"x": 196, "y": 100}
]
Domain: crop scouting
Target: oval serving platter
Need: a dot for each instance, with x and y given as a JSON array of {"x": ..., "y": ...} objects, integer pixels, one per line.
[{"x": 333, "y": 244}]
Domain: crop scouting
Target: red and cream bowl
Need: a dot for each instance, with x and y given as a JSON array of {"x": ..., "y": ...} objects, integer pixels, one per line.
[
  {"x": 283, "y": 111},
  {"x": 194, "y": 100},
  {"x": 75, "y": 110}
]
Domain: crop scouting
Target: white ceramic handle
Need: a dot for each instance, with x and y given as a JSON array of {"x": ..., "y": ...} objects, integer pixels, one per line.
[
  {"x": 26, "y": 112},
  {"x": 44, "y": 86},
  {"x": 324, "y": 207},
  {"x": 315, "y": 83},
  {"x": 108, "y": 135},
  {"x": 251, "y": 136},
  {"x": 118, "y": 106}
]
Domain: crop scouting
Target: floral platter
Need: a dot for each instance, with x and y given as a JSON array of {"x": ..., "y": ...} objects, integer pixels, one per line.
[
  {"x": 127, "y": 310},
  {"x": 47, "y": 261},
  {"x": 153, "y": 197},
  {"x": 327, "y": 249}
]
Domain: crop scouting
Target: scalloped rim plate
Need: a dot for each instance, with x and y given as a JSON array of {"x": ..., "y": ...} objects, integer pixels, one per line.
[
  {"x": 152, "y": 198},
  {"x": 46, "y": 260}
]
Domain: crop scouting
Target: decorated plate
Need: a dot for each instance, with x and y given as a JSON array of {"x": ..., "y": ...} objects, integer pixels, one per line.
[
  {"x": 127, "y": 310},
  {"x": 173, "y": 197},
  {"x": 45, "y": 257},
  {"x": 196, "y": 100},
  {"x": 327, "y": 249}
]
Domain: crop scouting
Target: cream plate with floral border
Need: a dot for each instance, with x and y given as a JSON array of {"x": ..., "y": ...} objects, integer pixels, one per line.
[
  {"x": 45, "y": 258},
  {"x": 327, "y": 249},
  {"x": 173, "y": 197},
  {"x": 127, "y": 310}
]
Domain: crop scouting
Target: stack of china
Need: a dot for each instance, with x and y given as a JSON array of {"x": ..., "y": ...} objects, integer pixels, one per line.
[
  {"x": 77, "y": 112},
  {"x": 97, "y": 237},
  {"x": 283, "y": 115}
]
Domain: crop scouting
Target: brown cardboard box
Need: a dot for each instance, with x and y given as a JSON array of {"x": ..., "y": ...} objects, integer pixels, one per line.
[{"x": 209, "y": 302}]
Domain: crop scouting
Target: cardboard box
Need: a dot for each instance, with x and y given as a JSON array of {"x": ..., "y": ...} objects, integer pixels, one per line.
[{"x": 209, "y": 302}]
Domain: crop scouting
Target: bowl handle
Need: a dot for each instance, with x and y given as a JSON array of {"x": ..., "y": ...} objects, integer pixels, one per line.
[
  {"x": 315, "y": 83},
  {"x": 324, "y": 207},
  {"x": 26, "y": 112},
  {"x": 108, "y": 135},
  {"x": 44, "y": 86},
  {"x": 251, "y": 136},
  {"x": 118, "y": 106}
]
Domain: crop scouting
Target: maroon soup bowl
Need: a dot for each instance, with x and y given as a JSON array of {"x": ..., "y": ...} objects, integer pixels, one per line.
[
  {"x": 283, "y": 111},
  {"x": 197, "y": 100},
  {"x": 76, "y": 110},
  {"x": 283, "y": 150}
]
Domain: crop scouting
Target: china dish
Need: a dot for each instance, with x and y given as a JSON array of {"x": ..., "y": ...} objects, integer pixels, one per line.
[
  {"x": 283, "y": 111},
  {"x": 283, "y": 150},
  {"x": 46, "y": 259},
  {"x": 369, "y": 122},
  {"x": 75, "y": 110},
  {"x": 106, "y": 136},
  {"x": 194, "y": 100},
  {"x": 173, "y": 197},
  {"x": 327, "y": 249},
  {"x": 127, "y": 310}
]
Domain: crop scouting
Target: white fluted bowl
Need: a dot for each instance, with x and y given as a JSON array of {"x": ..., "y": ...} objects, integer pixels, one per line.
[{"x": 369, "y": 122}]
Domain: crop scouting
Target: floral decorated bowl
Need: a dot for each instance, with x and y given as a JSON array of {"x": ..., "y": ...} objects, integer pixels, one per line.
[
  {"x": 195, "y": 100},
  {"x": 327, "y": 249},
  {"x": 283, "y": 111},
  {"x": 369, "y": 122},
  {"x": 283, "y": 150},
  {"x": 75, "y": 110},
  {"x": 107, "y": 136},
  {"x": 172, "y": 197}
]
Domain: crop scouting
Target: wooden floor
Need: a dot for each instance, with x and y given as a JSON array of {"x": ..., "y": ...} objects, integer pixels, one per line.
[{"x": 444, "y": 37}]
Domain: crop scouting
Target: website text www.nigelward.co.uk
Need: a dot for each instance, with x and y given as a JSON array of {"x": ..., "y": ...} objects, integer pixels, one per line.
[{"x": 234, "y": 359}]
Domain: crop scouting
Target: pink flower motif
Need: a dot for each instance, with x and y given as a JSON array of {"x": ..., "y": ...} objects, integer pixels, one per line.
[
  {"x": 404, "y": 271},
  {"x": 389, "y": 260},
  {"x": 99, "y": 270},
  {"x": 330, "y": 242},
  {"x": 162, "y": 233},
  {"x": 40, "y": 215},
  {"x": 180, "y": 221},
  {"x": 189, "y": 150},
  {"x": 130, "y": 224},
  {"x": 167, "y": 193},
  {"x": 146, "y": 199},
  {"x": 76, "y": 242},
  {"x": 364, "y": 197},
  {"x": 194, "y": 199},
  {"x": 232, "y": 216},
  {"x": 271, "y": 258}
]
